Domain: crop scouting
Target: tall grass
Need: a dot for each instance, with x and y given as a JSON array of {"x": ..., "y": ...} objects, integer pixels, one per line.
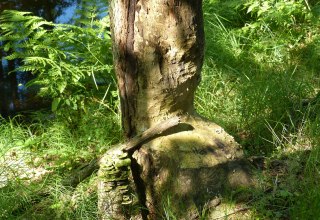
[
  {"x": 259, "y": 82},
  {"x": 247, "y": 85},
  {"x": 48, "y": 144}
]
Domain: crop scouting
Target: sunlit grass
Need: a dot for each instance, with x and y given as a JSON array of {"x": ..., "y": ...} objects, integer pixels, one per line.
[
  {"x": 257, "y": 87},
  {"x": 49, "y": 147}
]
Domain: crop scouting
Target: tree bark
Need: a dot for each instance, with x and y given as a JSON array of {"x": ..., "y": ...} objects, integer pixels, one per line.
[
  {"x": 158, "y": 53},
  {"x": 158, "y": 48}
]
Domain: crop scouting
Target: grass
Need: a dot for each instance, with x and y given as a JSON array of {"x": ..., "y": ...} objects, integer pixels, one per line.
[
  {"x": 258, "y": 82},
  {"x": 51, "y": 146},
  {"x": 255, "y": 87}
]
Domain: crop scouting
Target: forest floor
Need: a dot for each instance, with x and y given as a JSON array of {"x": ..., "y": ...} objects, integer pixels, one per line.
[
  {"x": 32, "y": 185},
  {"x": 260, "y": 82}
]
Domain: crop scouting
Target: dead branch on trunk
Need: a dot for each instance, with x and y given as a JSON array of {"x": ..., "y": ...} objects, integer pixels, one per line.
[{"x": 88, "y": 169}]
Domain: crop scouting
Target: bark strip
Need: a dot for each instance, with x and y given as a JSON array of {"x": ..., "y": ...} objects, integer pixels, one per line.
[{"x": 125, "y": 61}]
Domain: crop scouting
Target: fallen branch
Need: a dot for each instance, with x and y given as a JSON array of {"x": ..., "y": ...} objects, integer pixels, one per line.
[
  {"x": 81, "y": 173},
  {"x": 151, "y": 133}
]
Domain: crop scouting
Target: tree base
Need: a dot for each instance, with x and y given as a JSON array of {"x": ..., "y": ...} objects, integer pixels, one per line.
[
  {"x": 184, "y": 163},
  {"x": 190, "y": 166}
]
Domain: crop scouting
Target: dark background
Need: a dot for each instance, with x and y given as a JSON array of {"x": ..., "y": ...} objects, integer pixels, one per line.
[{"x": 14, "y": 96}]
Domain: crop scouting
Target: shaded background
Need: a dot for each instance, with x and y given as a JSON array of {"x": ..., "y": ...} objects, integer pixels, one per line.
[{"x": 14, "y": 96}]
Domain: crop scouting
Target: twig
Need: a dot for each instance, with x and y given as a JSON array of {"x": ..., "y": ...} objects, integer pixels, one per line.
[
  {"x": 307, "y": 3},
  {"x": 232, "y": 213}
]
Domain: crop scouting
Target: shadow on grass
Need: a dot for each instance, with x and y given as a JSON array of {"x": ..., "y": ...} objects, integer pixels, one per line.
[
  {"x": 276, "y": 190},
  {"x": 256, "y": 94}
]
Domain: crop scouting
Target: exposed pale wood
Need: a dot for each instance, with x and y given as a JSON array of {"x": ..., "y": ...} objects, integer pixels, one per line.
[{"x": 158, "y": 49}]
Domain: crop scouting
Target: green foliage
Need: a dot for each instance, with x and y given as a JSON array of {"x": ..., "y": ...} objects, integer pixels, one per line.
[
  {"x": 308, "y": 198},
  {"x": 257, "y": 72},
  {"x": 168, "y": 213},
  {"x": 88, "y": 11},
  {"x": 68, "y": 61},
  {"x": 12, "y": 133},
  {"x": 278, "y": 13},
  {"x": 276, "y": 28},
  {"x": 72, "y": 67},
  {"x": 260, "y": 82},
  {"x": 48, "y": 199},
  {"x": 48, "y": 143}
]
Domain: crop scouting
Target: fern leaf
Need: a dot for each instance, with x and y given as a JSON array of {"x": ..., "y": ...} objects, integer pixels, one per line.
[
  {"x": 27, "y": 68},
  {"x": 13, "y": 56},
  {"x": 39, "y": 34}
]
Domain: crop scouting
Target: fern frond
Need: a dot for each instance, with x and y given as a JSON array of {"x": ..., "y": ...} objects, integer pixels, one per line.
[
  {"x": 13, "y": 15},
  {"x": 41, "y": 61},
  {"x": 27, "y": 68},
  {"x": 63, "y": 56},
  {"x": 14, "y": 55},
  {"x": 39, "y": 34},
  {"x": 49, "y": 50}
]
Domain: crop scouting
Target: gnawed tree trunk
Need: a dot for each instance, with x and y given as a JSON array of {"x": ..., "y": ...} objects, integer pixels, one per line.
[
  {"x": 158, "y": 48},
  {"x": 158, "y": 54}
]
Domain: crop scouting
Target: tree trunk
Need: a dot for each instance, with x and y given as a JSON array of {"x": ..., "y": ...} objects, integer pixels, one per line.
[
  {"x": 158, "y": 54},
  {"x": 158, "y": 48}
]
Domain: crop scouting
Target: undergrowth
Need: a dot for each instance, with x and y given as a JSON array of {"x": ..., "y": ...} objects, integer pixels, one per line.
[
  {"x": 46, "y": 149},
  {"x": 260, "y": 82}
]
